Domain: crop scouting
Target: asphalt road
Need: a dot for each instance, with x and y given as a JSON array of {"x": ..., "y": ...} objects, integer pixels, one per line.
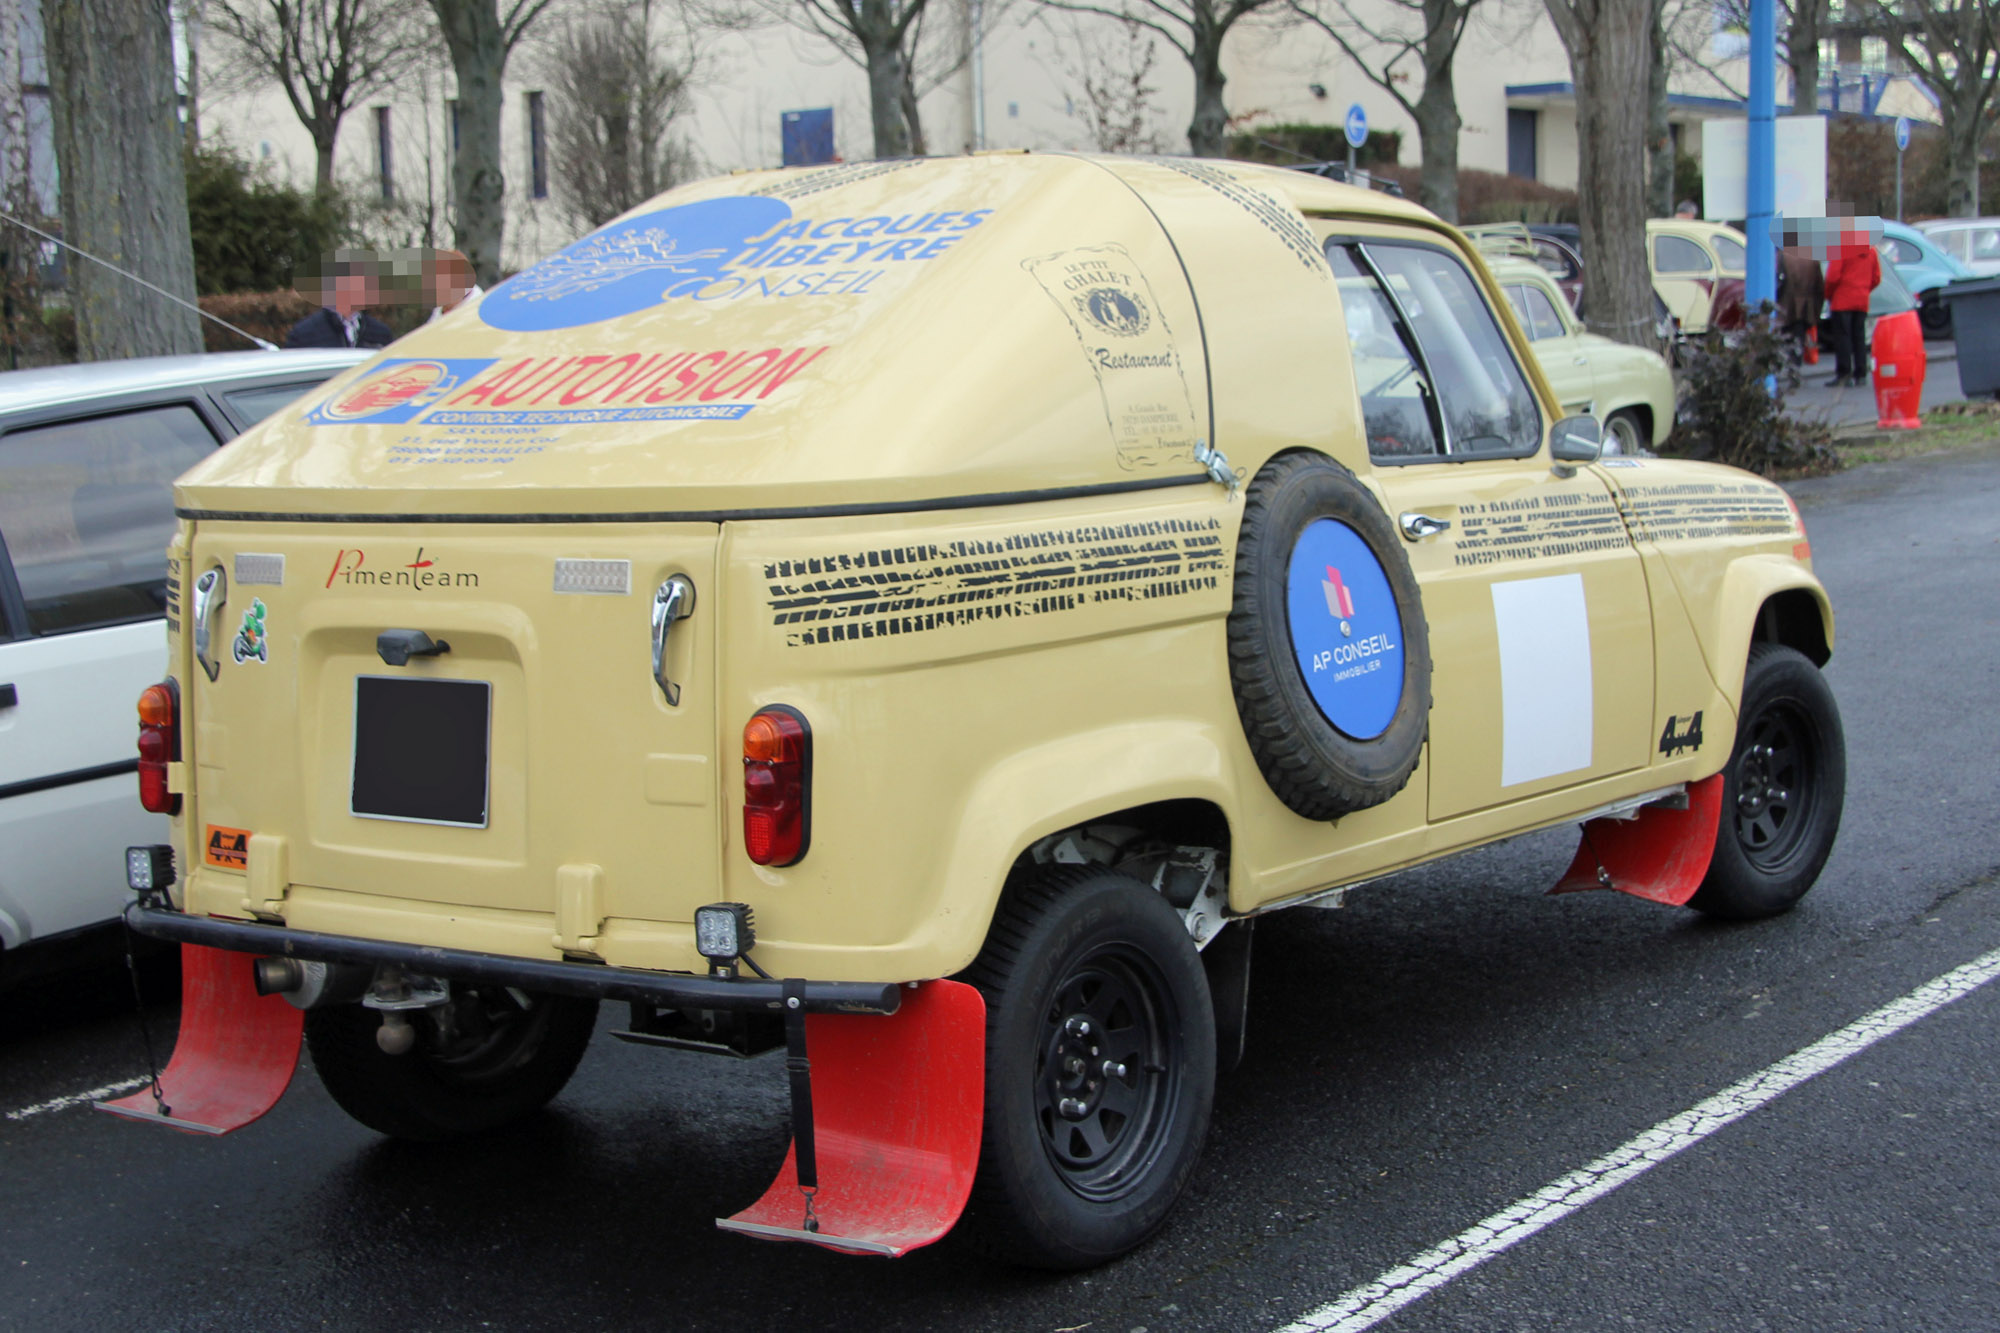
[{"x": 1447, "y": 1043}]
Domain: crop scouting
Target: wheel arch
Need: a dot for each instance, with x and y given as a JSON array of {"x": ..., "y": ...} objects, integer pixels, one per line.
[
  {"x": 1150, "y": 774},
  {"x": 1769, "y": 599}
]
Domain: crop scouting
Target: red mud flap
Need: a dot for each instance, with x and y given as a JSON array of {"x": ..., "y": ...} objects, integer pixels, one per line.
[
  {"x": 1660, "y": 856},
  {"x": 897, "y": 1105},
  {"x": 235, "y": 1055}
]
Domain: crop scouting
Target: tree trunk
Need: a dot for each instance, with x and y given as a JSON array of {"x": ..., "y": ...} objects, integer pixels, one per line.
[
  {"x": 324, "y": 138},
  {"x": 1659, "y": 134},
  {"x": 478, "y": 49},
  {"x": 1206, "y": 132},
  {"x": 886, "y": 77},
  {"x": 1609, "y": 43},
  {"x": 1802, "y": 55},
  {"x": 1437, "y": 133},
  {"x": 124, "y": 188},
  {"x": 913, "y": 114},
  {"x": 1961, "y": 146}
]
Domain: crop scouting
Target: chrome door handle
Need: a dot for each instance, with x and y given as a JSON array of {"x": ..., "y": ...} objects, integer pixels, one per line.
[
  {"x": 1417, "y": 526},
  {"x": 674, "y": 600},
  {"x": 211, "y": 590}
]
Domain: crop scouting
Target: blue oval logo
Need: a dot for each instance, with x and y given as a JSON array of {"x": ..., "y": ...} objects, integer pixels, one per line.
[
  {"x": 632, "y": 265},
  {"x": 1347, "y": 631}
]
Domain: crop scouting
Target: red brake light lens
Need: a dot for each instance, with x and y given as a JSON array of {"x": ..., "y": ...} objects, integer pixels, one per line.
[
  {"x": 159, "y": 745},
  {"x": 777, "y": 786}
]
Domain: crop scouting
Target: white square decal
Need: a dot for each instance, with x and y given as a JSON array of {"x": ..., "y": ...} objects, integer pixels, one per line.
[{"x": 1545, "y": 677}]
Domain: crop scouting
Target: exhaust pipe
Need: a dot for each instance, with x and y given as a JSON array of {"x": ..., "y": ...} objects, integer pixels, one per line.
[{"x": 308, "y": 983}]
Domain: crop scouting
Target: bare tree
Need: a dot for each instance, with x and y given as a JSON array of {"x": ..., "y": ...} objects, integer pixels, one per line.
[
  {"x": 328, "y": 56},
  {"x": 481, "y": 38},
  {"x": 1610, "y": 54},
  {"x": 1386, "y": 38},
  {"x": 124, "y": 189},
  {"x": 880, "y": 36},
  {"x": 1112, "y": 75},
  {"x": 1802, "y": 25},
  {"x": 1196, "y": 29},
  {"x": 616, "y": 94},
  {"x": 1955, "y": 46}
]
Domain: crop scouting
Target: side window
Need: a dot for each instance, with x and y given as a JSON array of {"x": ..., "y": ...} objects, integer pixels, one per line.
[
  {"x": 1395, "y": 395},
  {"x": 1730, "y": 253},
  {"x": 1677, "y": 254},
  {"x": 1985, "y": 244},
  {"x": 252, "y": 403},
  {"x": 1554, "y": 262},
  {"x": 1903, "y": 252},
  {"x": 1488, "y": 408},
  {"x": 87, "y": 510},
  {"x": 1951, "y": 242},
  {"x": 1539, "y": 315}
]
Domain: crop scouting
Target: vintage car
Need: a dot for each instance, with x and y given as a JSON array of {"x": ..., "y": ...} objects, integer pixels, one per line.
[
  {"x": 1926, "y": 269},
  {"x": 916, "y": 615},
  {"x": 1698, "y": 271},
  {"x": 1629, "y": 389}
]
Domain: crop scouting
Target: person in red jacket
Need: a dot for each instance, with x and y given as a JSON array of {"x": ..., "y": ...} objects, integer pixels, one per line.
[{"x": 1852, "y": 274}]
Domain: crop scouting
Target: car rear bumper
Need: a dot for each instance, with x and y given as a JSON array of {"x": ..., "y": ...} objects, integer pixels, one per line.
[{"x": 589, "y": 980}]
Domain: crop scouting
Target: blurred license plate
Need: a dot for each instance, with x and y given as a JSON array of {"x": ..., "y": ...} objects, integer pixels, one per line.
[{"x": 421, "y": 749}]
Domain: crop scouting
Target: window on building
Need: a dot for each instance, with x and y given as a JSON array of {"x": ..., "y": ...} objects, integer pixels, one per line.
[
  {"x": 538, "y": 149},
  {"x": 385, "y": 159}
]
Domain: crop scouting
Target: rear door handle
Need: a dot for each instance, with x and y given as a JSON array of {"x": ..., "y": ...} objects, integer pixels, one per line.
[{"x": 674, "y": 600}]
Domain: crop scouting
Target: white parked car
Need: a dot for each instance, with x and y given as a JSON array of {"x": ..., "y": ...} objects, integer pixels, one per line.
[
  {"x": 88, "y": 455},
  {"x": 1973, "y": 242}
]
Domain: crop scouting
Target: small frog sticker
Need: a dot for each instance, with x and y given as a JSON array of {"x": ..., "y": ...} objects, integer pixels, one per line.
[{"x": 252, "y": 641}]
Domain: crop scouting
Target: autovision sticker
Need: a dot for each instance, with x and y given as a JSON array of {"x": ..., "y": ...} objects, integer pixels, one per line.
[
  {"x": 527, "y": 393},
  {"x": 727, "y": 249},
  {"x": 1347, "y": 632}
]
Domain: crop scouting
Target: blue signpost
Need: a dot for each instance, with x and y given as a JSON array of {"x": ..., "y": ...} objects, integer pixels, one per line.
[
  {"x": 1902, "y": 146},
  {"x": 1356, "y": 126},
  {"x": 1760, "y": 280}
]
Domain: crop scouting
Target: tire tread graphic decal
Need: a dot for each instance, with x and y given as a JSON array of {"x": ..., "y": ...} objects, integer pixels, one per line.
[{"x": 914, "y": 589}]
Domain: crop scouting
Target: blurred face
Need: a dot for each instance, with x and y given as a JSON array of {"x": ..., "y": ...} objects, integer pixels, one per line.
[
  {"x": 454, "y": 280},
  {"x": 350, "y": 293}
]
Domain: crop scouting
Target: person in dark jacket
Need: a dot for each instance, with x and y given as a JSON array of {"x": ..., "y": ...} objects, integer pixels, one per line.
[
  {"x": 1801, "y": 289},
  {"x": 342, "y": 289},
  {"x": 1852, "y": 274}
]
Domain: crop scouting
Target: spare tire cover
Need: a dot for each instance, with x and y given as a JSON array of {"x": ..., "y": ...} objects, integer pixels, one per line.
[{"x": 1329, "y": 654}]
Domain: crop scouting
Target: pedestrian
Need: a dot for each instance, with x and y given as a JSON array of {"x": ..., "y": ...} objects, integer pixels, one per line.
[
  {"x": 341, "y": 287},
  {"x": 1801, "y": 290},
  {"x": 1687, "y": 209},
  {"x": 1851, "y": 275},
  {"x": 448, "y": 277}
]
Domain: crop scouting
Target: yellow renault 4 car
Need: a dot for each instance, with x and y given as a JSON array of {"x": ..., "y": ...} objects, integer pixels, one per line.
[{"x": 917, "y": 615}]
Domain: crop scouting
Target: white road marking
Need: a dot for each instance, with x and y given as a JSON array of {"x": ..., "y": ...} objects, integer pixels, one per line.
[
  {"x": 77, "y": 1099},
  {"x": 1368, "y": 1305}
]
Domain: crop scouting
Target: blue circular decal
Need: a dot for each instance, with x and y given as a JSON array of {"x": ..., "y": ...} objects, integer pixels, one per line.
[
  {"x": 632, "y": 265},
  {"x": 1346, "y": 629}
]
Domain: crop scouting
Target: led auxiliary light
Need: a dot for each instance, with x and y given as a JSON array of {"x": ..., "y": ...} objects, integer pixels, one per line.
[
  {"x": 149, "y": 869},
  {"x": 724, "y": 932}
]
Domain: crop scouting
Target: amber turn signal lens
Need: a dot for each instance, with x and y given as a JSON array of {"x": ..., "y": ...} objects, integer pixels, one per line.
[{"x": 157, "y": 706}]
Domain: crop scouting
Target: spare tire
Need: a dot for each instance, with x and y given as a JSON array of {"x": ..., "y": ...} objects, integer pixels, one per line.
[{"x": 1329, "y": 654}]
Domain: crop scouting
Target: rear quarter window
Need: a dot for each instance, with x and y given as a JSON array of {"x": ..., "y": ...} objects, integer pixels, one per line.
[
  {"x": 86, "y": 507},
  {"x": 252, "y": 403}
]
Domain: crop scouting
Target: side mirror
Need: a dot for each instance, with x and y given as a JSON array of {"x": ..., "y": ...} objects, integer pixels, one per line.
[{"x": 1576, "y": 440}]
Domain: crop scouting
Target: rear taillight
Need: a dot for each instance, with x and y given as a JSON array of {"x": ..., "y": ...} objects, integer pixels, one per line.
[
  {"x": 777, "y": 786},
  {"x": 159, "y": 745}
]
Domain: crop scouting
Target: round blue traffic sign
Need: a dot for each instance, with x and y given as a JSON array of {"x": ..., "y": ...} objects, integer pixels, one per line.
[
  {"x": 1347, "y": 631},
  {"x": 1356, "y": 126},
  {"x": 1902, "y": 133}
]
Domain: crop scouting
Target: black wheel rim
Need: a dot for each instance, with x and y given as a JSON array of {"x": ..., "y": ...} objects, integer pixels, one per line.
[
  {"x": 485, "y": 1033},
  {"x": 1108, "y": 1072},
  {"x": 1776, "y": 780}
]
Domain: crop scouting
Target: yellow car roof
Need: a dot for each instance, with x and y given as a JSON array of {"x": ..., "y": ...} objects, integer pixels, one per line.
[{"x": 878, "y": 334}]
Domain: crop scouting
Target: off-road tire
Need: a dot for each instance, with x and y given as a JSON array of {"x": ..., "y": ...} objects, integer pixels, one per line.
[
  {"x": 1314, "y": 768},
  {"x": 1781, "y": 793},
  {"x": 1065, "y": 944},
  {"x": 430, "y": 1095}
]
